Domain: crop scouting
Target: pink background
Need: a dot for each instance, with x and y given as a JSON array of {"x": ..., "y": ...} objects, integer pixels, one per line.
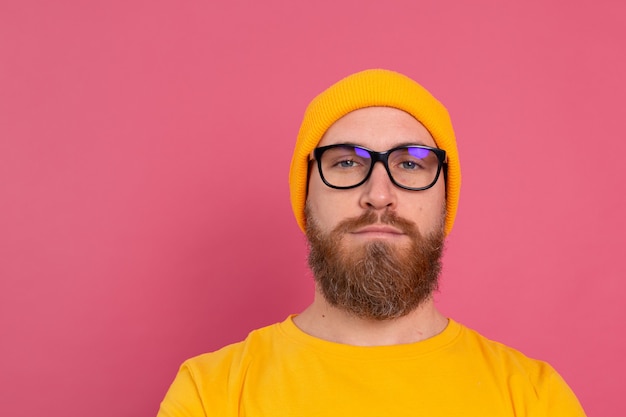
[{"x": 144, "y": 206}]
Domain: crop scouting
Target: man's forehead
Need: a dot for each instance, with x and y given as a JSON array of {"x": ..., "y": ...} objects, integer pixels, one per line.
[{"x": 377, "y": 126}]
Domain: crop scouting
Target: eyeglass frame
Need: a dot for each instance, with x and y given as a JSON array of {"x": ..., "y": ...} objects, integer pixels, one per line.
[{"x": 382, "y": 157}]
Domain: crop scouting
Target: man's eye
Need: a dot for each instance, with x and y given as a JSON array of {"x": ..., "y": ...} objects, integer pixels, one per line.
[
  {"x": 347, "y": 163},
  {"x": 410, "y": 165}
]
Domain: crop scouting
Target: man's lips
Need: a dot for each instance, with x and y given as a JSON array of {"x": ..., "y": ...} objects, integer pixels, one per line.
[{"x": 379, "y": 230}]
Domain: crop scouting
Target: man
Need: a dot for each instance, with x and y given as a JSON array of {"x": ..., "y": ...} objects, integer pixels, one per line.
[{"x": 374, "y": 181}]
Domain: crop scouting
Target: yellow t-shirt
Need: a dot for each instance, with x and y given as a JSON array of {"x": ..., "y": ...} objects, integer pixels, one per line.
[{"x": 281, "y": 371}]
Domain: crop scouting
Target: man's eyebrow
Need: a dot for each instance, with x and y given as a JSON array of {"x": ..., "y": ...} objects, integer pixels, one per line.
[
  {"x": 412, "y": 143},
  {"x": 347, "y": 143}
]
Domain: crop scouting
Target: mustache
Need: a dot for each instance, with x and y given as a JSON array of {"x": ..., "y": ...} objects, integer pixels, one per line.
[{"x": 370, "y": 217}]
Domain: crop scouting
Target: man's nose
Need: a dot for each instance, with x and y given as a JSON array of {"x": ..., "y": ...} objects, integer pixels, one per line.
[{"x": 378, "y": 192}]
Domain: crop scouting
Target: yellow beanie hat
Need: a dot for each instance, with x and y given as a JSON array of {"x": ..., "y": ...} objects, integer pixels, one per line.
[{"x": 375, "y": 87}]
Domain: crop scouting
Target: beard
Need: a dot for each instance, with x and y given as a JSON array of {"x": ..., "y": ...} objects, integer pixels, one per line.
[{"x": 376, "y": 280}]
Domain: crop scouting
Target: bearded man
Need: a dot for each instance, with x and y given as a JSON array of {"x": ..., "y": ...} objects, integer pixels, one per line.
[{"x": 374, "y": 181}]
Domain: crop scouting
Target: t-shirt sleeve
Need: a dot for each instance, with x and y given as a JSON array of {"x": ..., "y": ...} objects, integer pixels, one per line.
[
  {"x": 183, "y": 398},
  {"x": 560, "y": 400}
]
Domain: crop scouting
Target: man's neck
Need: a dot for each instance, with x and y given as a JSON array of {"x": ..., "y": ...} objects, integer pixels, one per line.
[{"x": 326, "y": 322}]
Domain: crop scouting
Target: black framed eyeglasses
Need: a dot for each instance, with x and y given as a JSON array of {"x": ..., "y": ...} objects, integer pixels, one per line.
[{"x": 412, "y": 167}]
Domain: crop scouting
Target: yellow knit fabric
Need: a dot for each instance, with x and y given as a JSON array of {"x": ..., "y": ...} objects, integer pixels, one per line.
[
  {"x": 281, "y": 371},
  {"x": 376, "y": 87}
]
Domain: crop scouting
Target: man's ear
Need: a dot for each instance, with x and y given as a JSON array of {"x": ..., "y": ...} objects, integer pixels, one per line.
[
  {"x": 445, "y": 177},
  {"x": 308, "y": 175}
]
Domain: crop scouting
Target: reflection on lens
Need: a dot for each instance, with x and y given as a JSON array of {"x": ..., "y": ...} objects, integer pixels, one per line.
[
  {"x": 362, "y": 153},
  {"x": 418, "y": 152}
]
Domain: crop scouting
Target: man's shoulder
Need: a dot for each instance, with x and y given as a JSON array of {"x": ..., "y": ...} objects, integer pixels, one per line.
[
  {"x": 527, "y": 379},
  {"x": 235, "y": 354},
  {"x": 501, "y": 355}
]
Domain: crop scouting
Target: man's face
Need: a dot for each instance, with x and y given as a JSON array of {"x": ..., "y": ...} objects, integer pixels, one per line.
[
  {"x": 379, "y": 129},
  {"x": 375, "y": 249}
]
